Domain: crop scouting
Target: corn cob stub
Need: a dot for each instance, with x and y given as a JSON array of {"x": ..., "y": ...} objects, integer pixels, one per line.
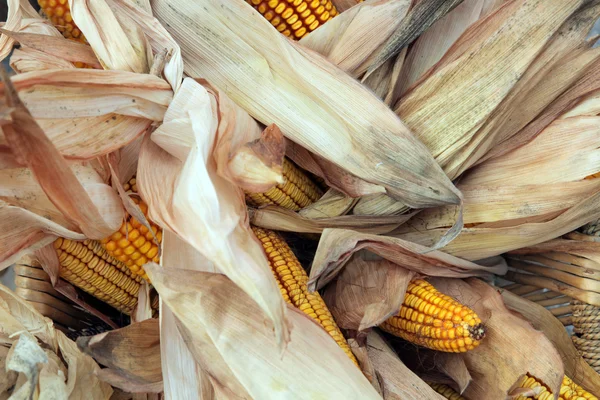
[
  {"x": 446, "y": 391},
  {"x": 88, "y": 266},
  {"x": 295, "y": 18},
  {"x": 292, "y": 280},
  {"x": 296, "y": 192},
  {"x": 59, "y": 13},
  {"x": 431, "y": 319},
  {"x": 569, "y": 390},
  {"x": 133, "y": 244}
]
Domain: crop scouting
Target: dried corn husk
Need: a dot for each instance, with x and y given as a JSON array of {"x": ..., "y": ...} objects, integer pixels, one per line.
[
  {"x": 510, "y": 347},
  {"x": 575, "y": 366},
  {"x": 534, "y": 193},
  {"x": 337, "y": 246},
  {"x": 131, "y": 355},
  {"x": 270, "y": 75},
  {"x": 204, "y": 130},
  {"x": 214, "y": 316},
  {"x": 426, "y": 110}
]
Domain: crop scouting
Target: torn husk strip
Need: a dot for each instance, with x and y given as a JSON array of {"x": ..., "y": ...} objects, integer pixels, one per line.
[
  {"x": 510, "y": 347},
  {"x": 17, "y": 11},
  {"x": 575, "y": 366},
  {"x": 117, "y": 46},
  {"x": 279, "y": 218},
  {"x": 33, "y": 148},
  {"x": 215, "y": 316},
  {"x": 421, "y": 16},
  {"x": 331, "y": 204},
  {"x": 131, "y": 354},
  {"x": 483, "y": 67},
  {"x": 547, "y": 269},
  {"x": 350, "y": 39},
  {"x": 189, "y": 190},
  {"x": 398, "y": 382},
  {"x": 268, "y": 75},
  {"x": 337, "y": 246}
]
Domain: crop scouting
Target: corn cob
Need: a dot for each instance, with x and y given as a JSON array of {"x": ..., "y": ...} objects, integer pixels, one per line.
[
  {"x": 297, "y": 191},
  {"x": 88, "y": 266},
  {"x": 292, "y": 281},
  {"x": 59, "y": 13},
  {"x": 431, "y": 319},
  {"x": 295, "y": 18},
  {"x": 569, "y": 390},
  {"x": 446, "y": 391},
  {"x": 133, "y": 243}
]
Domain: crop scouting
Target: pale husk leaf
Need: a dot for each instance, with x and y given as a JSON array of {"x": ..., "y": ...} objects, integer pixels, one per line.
[
  {"x": 7, "y": 378},
  {"x": 131, "y": 354},
  {"x": 279, "y": 218},
  {"x": 199, "y": 203},
  {"x": 266, "y": 74},
  {"x": 117, "y": 46},
  {"x": 350, "y": 40},
  {"x": 366, "y": 292},
  {"x": 17, "y": 11},
  {"x": 52, "y": 379},
  {"x": 331, "y": 204},
  {"x": 213, "y": 313},
  {"x": 510, "y": 348},
  {"x": 379, "y": 204},
  {"x": 482, "y": 66},
  {"x": 337, "y": 246},
  {"x": 82, "y": 381},
  {"x": 25, "y": 357},
  {"x": 398, "y": 382},
  {"x": 343, "y": 5},
  {"x": 575, "y": 366}
]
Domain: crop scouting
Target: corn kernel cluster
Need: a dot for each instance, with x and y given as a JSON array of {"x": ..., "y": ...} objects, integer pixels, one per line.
[
  {"x": 569, "y": 390},
  {"x": 446, "y": 391},
  {"x": 431, "y": 319},
  {"x": 295, "y": 18},
  {"x": 59, "y": 13}
]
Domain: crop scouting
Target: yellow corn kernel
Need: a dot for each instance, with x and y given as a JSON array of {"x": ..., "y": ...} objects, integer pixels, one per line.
[
  {"x": 292, "y": 281},
  {"x": 88, "y": 266},
  {"x": 295, "y": 18},
  {"x": 296, "y": 192},
  {"x": 59, "y": 13},
  {"x": 446, "y": 391},
  {"x": 431, "y": 319},
  {"x": 569, "y": 390},
  {"x": 133, "y": 243}
]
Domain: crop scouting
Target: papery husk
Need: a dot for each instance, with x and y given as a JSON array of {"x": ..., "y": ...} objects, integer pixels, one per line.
[
  {"x": 379, "y": 204},
  {"x": 433, "y": 43},
  {"x": 159, "y": 39},
  {"x": 100, "y": 111},
  {"x": 131, "y": 355},
  {"x": 366, "y": 292},
  {"x": 575, "y": 366},
  {"x": 487, "y": 60},
  {"x": 25, "y": 357},
  {"x": 52, "y": 379},
  {"x": 350, "y": 40},
  {"x": 279, "y": 218},
  {"x": 215, "y": 316},
  {"x": 343, "y": 5},
  {"x": 532, "y": 194},
  {"x": 7, "y": 378},
  {"x": 397, "y": 381},
  {"x": 118, "y": 46},
  {"x": 331, "y": 204},
  {"x": 421, "y": 16},
  {"x": 274, "y": 75},
  {"x": 192, "y": 185},
  {"x": 17, "y": 11},
  {"x": 337, "y": 246},
  {"x": 510, "y": 348}
]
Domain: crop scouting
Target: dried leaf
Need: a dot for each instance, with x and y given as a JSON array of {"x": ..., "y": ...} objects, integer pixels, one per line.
[
  {"x": 275, "y": 76},
  {"x": 575, "y": 366},
  {"x": 279, "y": 218},
  {"x": 343, "y": 5},
  {"x": 82, "y": 381},
  {"x": 17, "y": 10},
  {"x": 351, "y": 39},
  {"x": 195, "y": 199},
  {"x": 52, "y": 379},
  {"x": 117, "y": 46},
  {"x": 32, "y": 147},
  {"x": 337, "y": 246},
  {"x": 24, "y": 357},
  {"x": 7, "y": 378},
  {"x": 482, "y": 66},
  {"x": 511, "y": 346},
  {"x": 214, "y": 317},
  {"x": 131, "y": 354},
  {"x": 366, "y": 293},
  {"x": 379, "y": 204},
  {"x": 398, "y": 382},
  {"x": 143, "y": 309},
  {"x": 420, "y": 17},
  {"x": 331, "y": 204}
]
